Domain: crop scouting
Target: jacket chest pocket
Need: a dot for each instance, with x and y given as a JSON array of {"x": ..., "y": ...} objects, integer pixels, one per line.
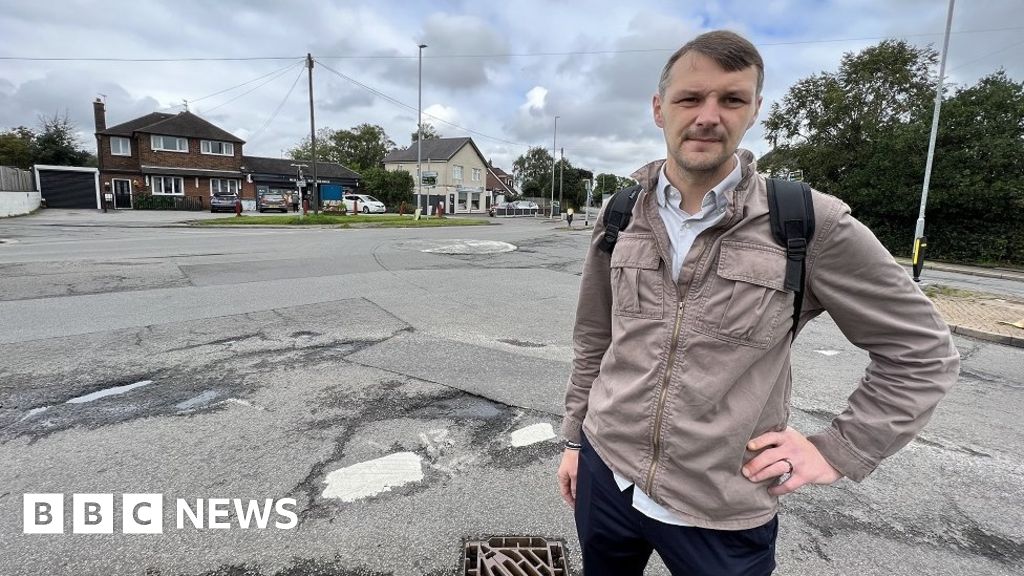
[
  {"x": 745, "y": 299},
  {"x": 638, "y": 289}
]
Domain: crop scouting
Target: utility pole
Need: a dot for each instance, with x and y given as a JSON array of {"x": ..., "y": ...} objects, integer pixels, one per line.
[
  {"x": 561, "y": 170},
  {"x": 920, "y": 242},
  {"x": 419, "y": 137},
  {"x": 312, "y": 136},
  {"x": 554, "y": 148}
]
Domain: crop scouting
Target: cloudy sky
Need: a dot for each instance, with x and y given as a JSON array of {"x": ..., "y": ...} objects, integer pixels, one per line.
[{"x": 497, "y": 71}]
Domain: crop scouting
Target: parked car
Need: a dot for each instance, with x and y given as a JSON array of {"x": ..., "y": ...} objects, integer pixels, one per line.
[
  {"x": 367, "y": 204},
  {"x": 223, "y": 201},
  {"x": 272, "y": 202}
]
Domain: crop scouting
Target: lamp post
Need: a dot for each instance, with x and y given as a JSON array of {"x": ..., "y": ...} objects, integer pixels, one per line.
[
  {"x": 920, "y": 242},
  {"x": 419, "y": 136},
  {"x": 554, "y": 150}
]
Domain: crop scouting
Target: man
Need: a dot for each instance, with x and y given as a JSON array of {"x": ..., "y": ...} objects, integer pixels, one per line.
[{"x": 677, "y": 407}]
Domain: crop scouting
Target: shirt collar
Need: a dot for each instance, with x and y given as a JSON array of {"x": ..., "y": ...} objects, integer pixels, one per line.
[{"x": 715, "y": 196}]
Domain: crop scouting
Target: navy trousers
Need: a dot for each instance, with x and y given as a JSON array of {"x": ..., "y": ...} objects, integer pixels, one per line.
[{"x": 617, "y": 540}]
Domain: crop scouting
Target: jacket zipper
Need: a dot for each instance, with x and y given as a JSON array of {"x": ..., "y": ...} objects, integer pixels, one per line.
[
  {"x": 661, "y": 398},
  {"x": 655, "y": 440}
]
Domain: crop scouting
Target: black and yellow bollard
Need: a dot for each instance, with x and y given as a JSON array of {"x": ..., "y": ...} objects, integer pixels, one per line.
[{"x": 919, "y": 245}]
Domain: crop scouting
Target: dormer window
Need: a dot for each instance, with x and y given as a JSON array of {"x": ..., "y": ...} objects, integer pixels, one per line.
[
  {"x": 217, "y": 148},
  {"x": 169, "y": 143}
]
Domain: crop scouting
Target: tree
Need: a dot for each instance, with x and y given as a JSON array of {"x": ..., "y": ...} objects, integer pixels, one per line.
[
  {"x": 429, "y": 133},
  {"x": 57, "y": 143},
  {"x": 608, "y": 183},
  {"x": 16, "y": 147},
  {"x": 861, "y": 133},
  {"x": 390, "y": 187},
  {"x": 533, "y": 171},
  {"x": 361, "y": 148}
]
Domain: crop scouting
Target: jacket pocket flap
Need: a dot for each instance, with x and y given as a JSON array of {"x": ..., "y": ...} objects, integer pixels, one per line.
[
  {"x": 635, "y": 252},
  {"x": 759, "y": 264}
]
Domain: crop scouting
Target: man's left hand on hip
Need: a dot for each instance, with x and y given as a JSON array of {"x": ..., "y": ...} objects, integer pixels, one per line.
[{"x": 788, "y": 453}]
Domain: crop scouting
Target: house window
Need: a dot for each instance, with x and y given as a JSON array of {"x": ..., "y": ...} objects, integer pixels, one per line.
[
  {"x": 457, "y": 173},
  {"x": 476, "y": 174},
  {"x": 222, "y": 185},
  {"x": 167, "y": 185},
  {"x": 217, "y": 148},
  {"x": 169, "y": 143},
  {"x": 120, "y": 146}
]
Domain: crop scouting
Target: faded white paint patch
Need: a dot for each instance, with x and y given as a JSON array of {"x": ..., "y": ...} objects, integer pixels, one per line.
[
  {"x": 33, "y": 412},
  {"x": 532, "y": 434},
  {"x": 472, "y": 247},
  {"x": 108, "y": 392},
  {"x": 828, "y": 352},
  {"x": 373, "y": 477}
]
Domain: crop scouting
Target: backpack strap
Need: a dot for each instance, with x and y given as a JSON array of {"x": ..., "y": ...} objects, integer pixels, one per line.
[
  {"x": 617, "y": 216},
  {"x": 791, "y": 209}
]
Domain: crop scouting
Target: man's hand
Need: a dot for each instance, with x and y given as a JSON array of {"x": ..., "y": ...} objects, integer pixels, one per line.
[
  {"x": 567, "y": 475},
  {"x": 787, "y": 449}
]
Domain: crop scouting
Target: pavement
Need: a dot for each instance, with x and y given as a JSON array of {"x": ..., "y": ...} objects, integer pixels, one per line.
[{"x": 986, "y": 316}]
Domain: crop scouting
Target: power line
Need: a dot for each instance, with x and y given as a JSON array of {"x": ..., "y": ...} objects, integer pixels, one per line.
[
  {"x": 193, "y": 101},
  {"x": 278, "y": 109},
  {"x": 95, "y": 59},
  {"x": 257, "y": 87},
  {"x": 1004, "y": 49},
  {"x": 414, "y": 109}
]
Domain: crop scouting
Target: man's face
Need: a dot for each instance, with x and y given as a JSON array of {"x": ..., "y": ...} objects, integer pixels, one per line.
[{"x": 705, "y": 112}]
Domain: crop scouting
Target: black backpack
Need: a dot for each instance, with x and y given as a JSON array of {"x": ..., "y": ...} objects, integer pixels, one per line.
[{"x": 790, "y": 208}]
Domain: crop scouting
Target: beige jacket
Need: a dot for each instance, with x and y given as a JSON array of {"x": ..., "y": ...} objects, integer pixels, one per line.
[{"x": 670, "y": 380}]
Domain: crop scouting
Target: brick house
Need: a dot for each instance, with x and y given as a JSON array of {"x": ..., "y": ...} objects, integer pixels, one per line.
[
  {"x": 500, "y": 184},
  {"x": 188, "y": 159}
]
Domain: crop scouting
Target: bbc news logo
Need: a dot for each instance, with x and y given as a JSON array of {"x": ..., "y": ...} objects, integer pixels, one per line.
[{"x": 144, "y": 513}]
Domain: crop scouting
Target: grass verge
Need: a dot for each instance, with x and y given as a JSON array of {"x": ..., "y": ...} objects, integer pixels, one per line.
[
  {"x": 934, "y": 291},
  {"x": 386, "y": 221}
]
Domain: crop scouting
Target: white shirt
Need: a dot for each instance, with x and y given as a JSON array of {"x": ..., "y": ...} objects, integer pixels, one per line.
[{"x": 682, "y": 229}]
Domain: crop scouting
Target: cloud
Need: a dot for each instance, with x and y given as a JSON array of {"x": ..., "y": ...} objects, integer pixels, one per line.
[{"x": 501, "y": 69}]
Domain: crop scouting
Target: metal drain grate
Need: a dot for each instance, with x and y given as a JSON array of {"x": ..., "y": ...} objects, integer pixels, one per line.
[{"x": 514, "y": 556}]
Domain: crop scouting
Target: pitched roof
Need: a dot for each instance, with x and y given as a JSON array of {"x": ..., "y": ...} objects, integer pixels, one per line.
[
  {"x": 262, "y": 165},
  {"x": 495, "y": 180},
  {"x": 184, "y": 124},
  {"x": 127, "y": 128},
  {"x": 442, "y": 149}
]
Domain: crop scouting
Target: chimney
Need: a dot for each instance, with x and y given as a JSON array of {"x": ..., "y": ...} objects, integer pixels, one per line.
[{"x": 100, "y": 115}]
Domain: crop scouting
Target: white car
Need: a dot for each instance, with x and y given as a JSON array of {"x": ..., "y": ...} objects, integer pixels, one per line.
[{"x": 363, "y": 203}]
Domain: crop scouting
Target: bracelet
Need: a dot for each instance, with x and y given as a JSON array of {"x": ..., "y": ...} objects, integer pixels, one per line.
[{"x": 569, "y": 445}]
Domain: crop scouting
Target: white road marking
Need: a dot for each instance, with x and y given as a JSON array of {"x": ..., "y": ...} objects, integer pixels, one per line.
[
  {"x": 373, "y": 477},
  {"x": 108, "y": 392},
  {"x": 199, "y": 400},
  {"x": 828, "y": 352},
  {"x": 532, "y": 434},
  {"x": 473, "y": 247},
  {"x": 33, "y": 412}
]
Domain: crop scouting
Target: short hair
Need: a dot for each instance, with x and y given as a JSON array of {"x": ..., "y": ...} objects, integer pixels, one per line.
[{"x": 728, "y": 49}]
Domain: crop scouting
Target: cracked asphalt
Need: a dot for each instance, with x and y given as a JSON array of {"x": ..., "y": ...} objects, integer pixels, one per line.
[{"x": 273, "y": 357}]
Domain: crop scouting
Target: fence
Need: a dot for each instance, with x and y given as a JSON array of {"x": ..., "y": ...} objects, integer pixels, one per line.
[
  {"x": 150, "y": 202},
  {"x": 16, "y": 180}
]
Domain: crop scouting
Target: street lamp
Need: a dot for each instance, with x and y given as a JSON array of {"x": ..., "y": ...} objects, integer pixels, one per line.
[
  {"x": 554, "y": 150},
  {"x": 920, "y": 242},
  {"x": 419, "y": 136}
]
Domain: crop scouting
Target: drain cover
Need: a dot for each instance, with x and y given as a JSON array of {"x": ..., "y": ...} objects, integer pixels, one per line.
[{"x": 514, "y": 556}]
